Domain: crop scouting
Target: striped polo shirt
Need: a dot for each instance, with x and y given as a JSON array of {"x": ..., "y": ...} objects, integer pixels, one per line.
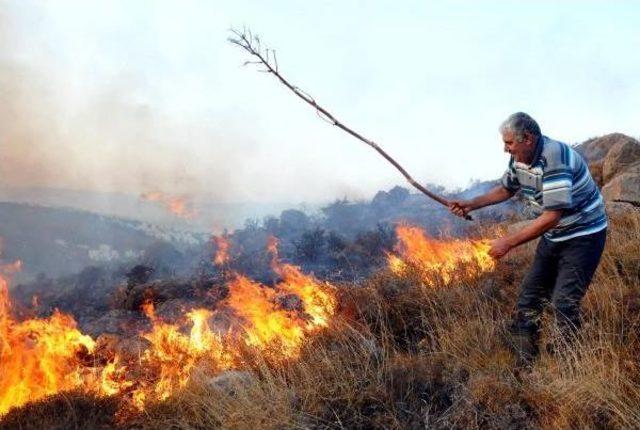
[{"x": 558, "y": 178}]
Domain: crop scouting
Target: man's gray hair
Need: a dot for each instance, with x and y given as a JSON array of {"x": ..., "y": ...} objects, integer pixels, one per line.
[{"x": 519, "y": 123}]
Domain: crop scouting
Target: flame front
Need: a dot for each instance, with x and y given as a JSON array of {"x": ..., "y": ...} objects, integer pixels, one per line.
[
  {"x": 173, "y": 354},
  {"x": 42, "y": 357},
  {"x": 273, "y": 330},
  {"x": 266, "y": 326},
  {"x": 38, "y": 357},
  {"x": 175, "y": 205},
  {"x": 443, "y": 260}
]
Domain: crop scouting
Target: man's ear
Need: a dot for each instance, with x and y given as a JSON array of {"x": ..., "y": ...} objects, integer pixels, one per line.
[{"x": 528, "y": 138}]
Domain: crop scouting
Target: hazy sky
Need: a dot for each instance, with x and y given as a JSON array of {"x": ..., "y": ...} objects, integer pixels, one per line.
[{"x": 136, "y": 96}]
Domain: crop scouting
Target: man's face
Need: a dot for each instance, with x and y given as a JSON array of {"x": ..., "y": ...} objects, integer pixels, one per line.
[{"x": 521, "y": 151}]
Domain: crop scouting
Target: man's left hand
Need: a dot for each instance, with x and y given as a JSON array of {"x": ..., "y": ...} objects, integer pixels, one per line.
[{"x": 499, "y": 248}]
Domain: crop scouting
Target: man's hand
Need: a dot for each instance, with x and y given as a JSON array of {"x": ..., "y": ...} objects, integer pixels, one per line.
[
  {"x": 546, "y": 221},
  {"x": 499, "y": 248},
  {"x": 460, "y": 207}
]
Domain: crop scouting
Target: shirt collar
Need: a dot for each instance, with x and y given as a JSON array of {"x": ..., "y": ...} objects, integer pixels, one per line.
[{"x": 537, "y": 153}]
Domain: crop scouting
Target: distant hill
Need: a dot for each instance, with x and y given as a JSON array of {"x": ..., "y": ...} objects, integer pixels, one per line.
[
  {"x": 59, "y": 241},
  {"x": 211, "y": 215}
]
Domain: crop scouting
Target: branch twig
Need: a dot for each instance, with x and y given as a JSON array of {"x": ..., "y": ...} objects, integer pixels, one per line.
[{"x": 251, "y": 44}]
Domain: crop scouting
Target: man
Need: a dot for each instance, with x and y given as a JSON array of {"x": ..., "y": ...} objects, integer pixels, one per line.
[{"x": 556, "y": 183}]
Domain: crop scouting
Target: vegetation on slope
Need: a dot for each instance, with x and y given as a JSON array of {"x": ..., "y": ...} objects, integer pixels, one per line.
[{"x": 405, "y": 355}]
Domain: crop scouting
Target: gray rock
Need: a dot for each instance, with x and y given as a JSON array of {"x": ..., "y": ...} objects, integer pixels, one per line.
[
  {"x": 596, "y": 149},
  {"x": 624, "y": 187},
  {"x": 620, "y": 157}
]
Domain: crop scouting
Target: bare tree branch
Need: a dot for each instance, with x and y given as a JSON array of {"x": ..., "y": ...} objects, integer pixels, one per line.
[{"x": 251, "y": 44}]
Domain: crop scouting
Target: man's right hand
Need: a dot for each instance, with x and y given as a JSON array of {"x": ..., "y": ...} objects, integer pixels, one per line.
[{"x": 460, "y": 207}]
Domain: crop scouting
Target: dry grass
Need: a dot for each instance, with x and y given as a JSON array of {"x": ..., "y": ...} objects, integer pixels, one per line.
[{"x": 404, "y": 356}]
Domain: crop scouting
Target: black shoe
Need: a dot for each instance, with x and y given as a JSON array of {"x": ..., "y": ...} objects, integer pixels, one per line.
[{"x": 525, "y": 349}]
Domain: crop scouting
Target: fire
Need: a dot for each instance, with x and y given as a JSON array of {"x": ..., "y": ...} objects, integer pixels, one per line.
[
  {"x": 272, "y": 248},
  {"x": 222, "y": 251},
  {"x": 439, "y": 259},
  {"x": 149, "y": 309},
  {"x": 113, "y": 378},
  {"x": 173, "y": 355},
  {"x": 177, "y": 206},
  {"x": 38, "y": 357},
  {"x": 266, "y": 326},
  {"x": 43, "y": 357},
  {"x": 318, "y": 300}
]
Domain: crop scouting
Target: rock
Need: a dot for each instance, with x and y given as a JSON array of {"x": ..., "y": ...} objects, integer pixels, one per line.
[
  {"x": 620, "y": 157},
  {"x": 609, "y": 155},
  {"x": 624, "y": 187},
  {"x": 596, "y": 149},
  {"x": 620, "y": 208},
  {"x": 595, "y": 169},
  {"x": 232, "y": 381}
]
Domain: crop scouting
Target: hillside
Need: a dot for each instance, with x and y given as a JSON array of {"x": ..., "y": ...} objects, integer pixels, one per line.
[
  {"x": 409, "y": 350},
  {"x": 416, "y": 340},
  {"x": 57, "y": 241}
]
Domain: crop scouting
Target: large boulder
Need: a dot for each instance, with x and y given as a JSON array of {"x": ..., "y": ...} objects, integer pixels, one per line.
[
  {"x": 624, "y": 187},
  {"x": 621, "y": 156},
  {"x": 609, "y": 155},
  {"x": 597, "y": 148},
  {"x": 595, "y": 169}
]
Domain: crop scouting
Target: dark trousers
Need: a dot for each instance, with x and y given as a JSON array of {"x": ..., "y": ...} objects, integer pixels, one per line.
[{"x": 561, "y": 274}]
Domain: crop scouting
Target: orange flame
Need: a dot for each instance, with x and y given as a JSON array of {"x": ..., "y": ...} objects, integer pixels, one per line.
[
  {"x": 113, "y": 378},
  {"x": 272, "y": 248},
  {"x": 266, "y": 326},
  {"x": 222, "y": 250},
  {"x": 439, "y": 259},
  {"x": 38, "y": 357},
  {"x": 148, "y": 309},
  {"x": 177, "y": 206},
  {"x": 173, "y": 355},
  {"x": 318, "y": 300},
  {"x": 41, "y": 357}
]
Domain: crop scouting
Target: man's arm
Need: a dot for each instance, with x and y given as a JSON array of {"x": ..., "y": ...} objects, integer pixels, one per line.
[
  {"x": 496, "y": 195},
  {"x": 544, "y": 222}
]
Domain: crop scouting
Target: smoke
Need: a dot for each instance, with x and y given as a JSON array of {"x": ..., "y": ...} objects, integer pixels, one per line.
[
  {"x": 108, "y": 101},
  {"x": 116, "y": 105},
  {"x": 107, "y": 132}
]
